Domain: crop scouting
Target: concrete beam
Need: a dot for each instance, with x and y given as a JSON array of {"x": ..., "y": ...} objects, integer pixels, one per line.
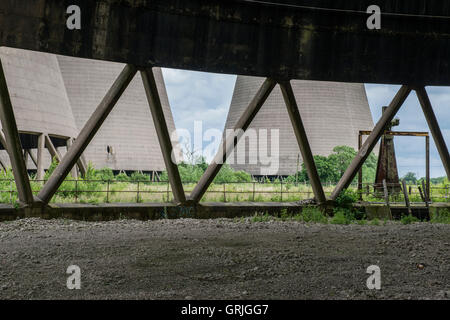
[
  {"x": 54, "y": 153},
  {"x": 13, "y": 144},
  {"x": 434, "y": 128},
  {"x": 32, "y": 157},
  {"x": 230, "y": 142},
  {"x": 303, "y": 39},
  {"x": 87, "y": 133},
  {"x": 162, "y": 131},
  {"x": 371, "y": 141},
  {"x": 302, "y": 140}
]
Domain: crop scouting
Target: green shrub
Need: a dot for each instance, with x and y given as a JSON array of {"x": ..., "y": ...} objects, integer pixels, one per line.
[
  {"x": 313, "y": 214},
  {"x": 105, "y": 174},
  {"x": 442, "y": 217},
  {"x": 342, "y": 216},
  {"x": 122, "y": 177},
  {"x": 375, "y": 222},
  {"x": 346, "y": 199},
  {"x": 139, "y": 176},
  {"x": 409, "y": 219}
]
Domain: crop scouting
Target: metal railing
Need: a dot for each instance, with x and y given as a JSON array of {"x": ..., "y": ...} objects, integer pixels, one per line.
[{"x": 107, "y": 191}]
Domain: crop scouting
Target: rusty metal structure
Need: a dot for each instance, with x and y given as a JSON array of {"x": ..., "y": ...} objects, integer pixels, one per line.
[
  {"x": 387, "y": 162},
  {"x": 281, "y": 40}
]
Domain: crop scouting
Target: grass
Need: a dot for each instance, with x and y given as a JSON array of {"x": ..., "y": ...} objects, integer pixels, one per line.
[
  {"x": 118, "y": 191},
  {"x": 442, "y": 217}
]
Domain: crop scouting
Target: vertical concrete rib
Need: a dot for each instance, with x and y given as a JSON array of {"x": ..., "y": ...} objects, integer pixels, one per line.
[
  {"x": 13, "y": 144},
  {"x": 371, "y": 141},
  {"x": 74, "y": 171},
  {"x": 40, "y": 157},
  {"x": 229, "y": 143},
  {"x": 87, "y": 133},
  {"x": 162, "y": 131},
  {"x": 302, "y": 140},
  {"x": 434, "y": 128}
]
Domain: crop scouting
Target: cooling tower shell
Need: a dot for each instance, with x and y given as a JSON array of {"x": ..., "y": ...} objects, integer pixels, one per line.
[
  {"x": 38, "y": 97},
  {"x": 332, "y": 113},
  {"x": 128, "y": 132}
]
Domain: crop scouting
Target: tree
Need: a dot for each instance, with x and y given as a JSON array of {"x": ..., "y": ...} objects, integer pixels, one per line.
[
  {"x": 331, "y": 168},
  {"x": 410, "y": 178}
]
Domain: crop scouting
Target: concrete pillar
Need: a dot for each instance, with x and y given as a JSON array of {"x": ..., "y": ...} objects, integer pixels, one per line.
[
  {"x": 434, "y": 128},
  {"x": 74, "y": 171},
  {"x": 371, "y": 141},
  {"x": 87, "y": 133},
  {"x": 229, "y": 143},
  {"x": 40, "y": 157},
  {"x": 13, "y": 144},
  {"x": 302, "y": 140},
  {"x": 162, "y": 131}
]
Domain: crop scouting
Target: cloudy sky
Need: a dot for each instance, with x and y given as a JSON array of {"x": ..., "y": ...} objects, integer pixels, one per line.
[{"x": 206, "y": 97}]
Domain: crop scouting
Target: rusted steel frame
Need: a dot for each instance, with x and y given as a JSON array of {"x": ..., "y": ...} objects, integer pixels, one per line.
[
  {"x": 399, "y": 133},
  {"x": 386, "y": 198},
  {"x": 230, "y": 142},
  {"x": 405, "y": 194},
  {"x": 371, "y": 141},
  {"x": 87, "y": 133}
]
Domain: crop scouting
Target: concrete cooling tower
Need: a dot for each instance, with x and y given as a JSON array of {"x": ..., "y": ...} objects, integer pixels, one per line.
[
  {"x": 332, "y": 114},
  {"x": 127, "y": 140},
  {"x": 39, "y": 100}
]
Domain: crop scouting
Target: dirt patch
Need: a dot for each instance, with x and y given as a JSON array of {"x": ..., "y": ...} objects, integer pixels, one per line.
[{"x": 222, "y": 259}]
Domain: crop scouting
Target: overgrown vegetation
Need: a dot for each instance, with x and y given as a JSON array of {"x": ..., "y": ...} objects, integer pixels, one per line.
[
  {"x": 442, "y": 217},
  {"x": 408, "y": 219},
  {"x": 332, "y": 167}
]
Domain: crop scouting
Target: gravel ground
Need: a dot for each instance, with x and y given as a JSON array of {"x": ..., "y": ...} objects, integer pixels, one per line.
[{"x": 222, "y": 259}]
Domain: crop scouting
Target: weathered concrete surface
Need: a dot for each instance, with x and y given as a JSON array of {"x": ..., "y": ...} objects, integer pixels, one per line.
[
  {"x": 300, "y": 39},
  {"x": 146, "y": 211},
  {"x": 206, "y": 210}
]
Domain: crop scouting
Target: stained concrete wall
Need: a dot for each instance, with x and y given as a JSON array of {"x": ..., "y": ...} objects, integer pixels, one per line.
[
  {"x": 332, "y": 113},
  {"x": 129, "y": 128}
]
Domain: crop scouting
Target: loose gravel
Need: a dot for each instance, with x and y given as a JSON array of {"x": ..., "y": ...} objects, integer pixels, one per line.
[{"x": 222, "y": 259}]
